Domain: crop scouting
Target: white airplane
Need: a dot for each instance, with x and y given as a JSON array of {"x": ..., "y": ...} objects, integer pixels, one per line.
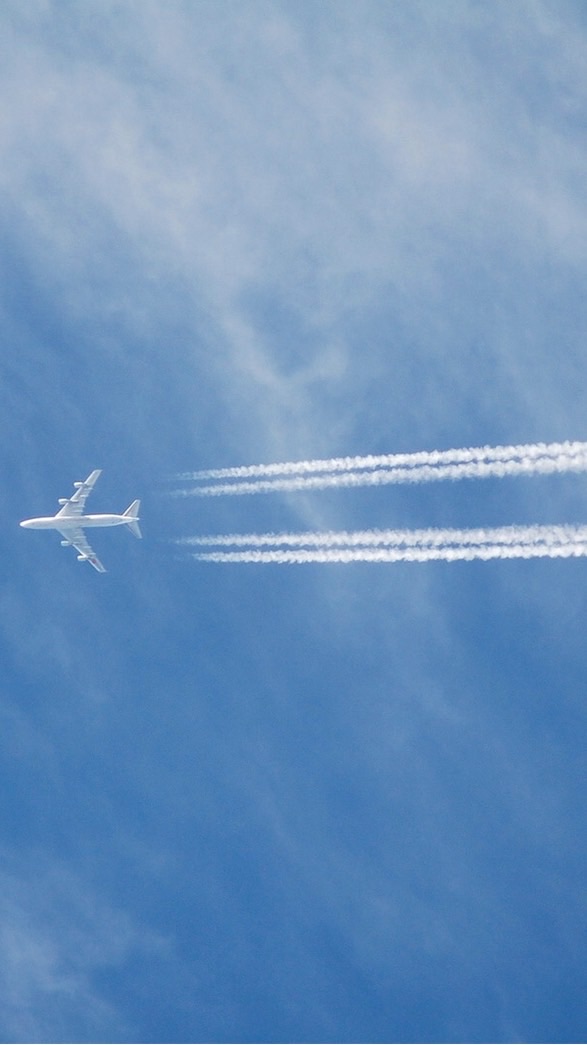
[{"x": 71, "y": 522}]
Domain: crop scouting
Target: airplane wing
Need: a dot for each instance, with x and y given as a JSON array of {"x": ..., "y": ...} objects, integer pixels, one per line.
[
  {"x": 79, "y": 541},
  {"x": 75, "y": 504}
]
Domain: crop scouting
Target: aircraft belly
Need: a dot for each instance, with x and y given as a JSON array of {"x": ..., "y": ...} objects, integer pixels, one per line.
[
  {"x": 100, "y": 520},
  {"x": 71, "y": 522},
  {"x": 86, "y": 521},
  {"x": 41, "y": 524}
]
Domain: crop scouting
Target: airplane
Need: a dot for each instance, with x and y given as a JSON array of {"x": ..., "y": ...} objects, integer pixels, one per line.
[{"x": 71, "y": 522}]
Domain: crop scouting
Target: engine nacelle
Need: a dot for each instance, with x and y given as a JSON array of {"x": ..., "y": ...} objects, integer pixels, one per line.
[
  {"x": 62, "y": 500},
  {"x": 66, "y": 544},
  {"x": 81, "y": 558},
  {"x": 78, "y": 485}
]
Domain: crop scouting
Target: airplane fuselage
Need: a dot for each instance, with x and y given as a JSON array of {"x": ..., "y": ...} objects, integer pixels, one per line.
[
  {"x": 72, "y": 524},
  {"x": 65, "y": 522}
]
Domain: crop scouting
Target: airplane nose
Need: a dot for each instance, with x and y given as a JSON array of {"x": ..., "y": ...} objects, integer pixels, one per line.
[{"x": 24, "y": 523}]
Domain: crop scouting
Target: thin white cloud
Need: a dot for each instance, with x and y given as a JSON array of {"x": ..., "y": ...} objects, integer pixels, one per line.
[
  {"x": 465, "y": 455},
  {"x": 348, "y": 177},
  {"x": 56, "y": 940},
  {"x": 448, "y": 545},
  {"x": 435, "y": 537},
  {"x": 428, "y": 466},
  {"x": 382, "y": 173},
  {"x": 468, "y": 553}
]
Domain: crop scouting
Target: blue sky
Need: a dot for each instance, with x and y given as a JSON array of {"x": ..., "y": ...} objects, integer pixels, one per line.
[{"x": 320, "y": 803}]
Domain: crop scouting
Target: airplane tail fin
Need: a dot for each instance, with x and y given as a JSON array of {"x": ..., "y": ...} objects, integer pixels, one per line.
[{"x": 132, "y": 516}]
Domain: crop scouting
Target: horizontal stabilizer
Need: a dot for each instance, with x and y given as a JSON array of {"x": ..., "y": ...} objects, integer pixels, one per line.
[{"x": 131, "y": 516}]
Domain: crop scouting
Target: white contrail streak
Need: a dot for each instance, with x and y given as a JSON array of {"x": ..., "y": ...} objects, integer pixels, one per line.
[
  {"x": 505, "y": 542},
  {"x": 427, "y": 554},
  {"x": 433, "y": 466},
  {"x": 392, "y": 545},
  {"x": 410, "y": 460},
  {"x": 498, "y": 536}
]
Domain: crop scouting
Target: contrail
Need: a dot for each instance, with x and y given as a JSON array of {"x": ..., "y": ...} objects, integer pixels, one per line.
[
  {"x": 506, "y": 535},
  {"x": 392, "y": 545},
  {"x": 507, "y": 542},
  {"x": 426, "y": 466},
  {"x": 432, "y": 457},
  {"x": 448, "y": 554}
]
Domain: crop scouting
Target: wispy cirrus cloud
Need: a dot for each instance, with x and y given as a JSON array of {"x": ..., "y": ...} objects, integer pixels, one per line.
[
  {"x": 364, "y": 169},
  {"x": 58, "y": 939},
  {"x": 267, "y": 232}
]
